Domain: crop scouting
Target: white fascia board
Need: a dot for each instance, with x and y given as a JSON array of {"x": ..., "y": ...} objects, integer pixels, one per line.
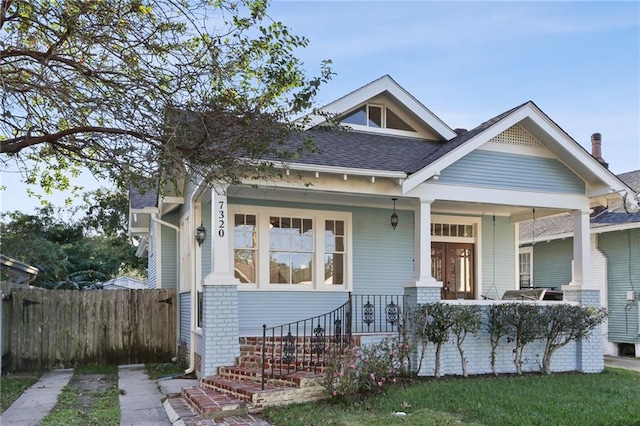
[
  {"x": 470, "y": 194},
  {"x": 173, "y": 200},
  {"x": 472, "y": 144},
  {"x": 381, "y": 85},
  {"x": 138, "y": 231},
  {"x": 145, "y": 210},
  {"x": 593, "y": 231},
  {"x": 344, "y": 170}
]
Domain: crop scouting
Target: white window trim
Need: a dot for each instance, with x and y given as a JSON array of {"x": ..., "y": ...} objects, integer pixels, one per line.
[
  {"x": 476, "y": 222},
  {"x": 318, "y": 216},
  {"x": 524, "y": 250}
]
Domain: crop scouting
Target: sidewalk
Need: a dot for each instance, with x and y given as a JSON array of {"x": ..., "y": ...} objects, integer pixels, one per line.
[
  {"x": 38, "y": 400},
  {"x": 140, "y": 398},
  {"x": 141, "y": 401},
  {"x": 622, "y": 362}
]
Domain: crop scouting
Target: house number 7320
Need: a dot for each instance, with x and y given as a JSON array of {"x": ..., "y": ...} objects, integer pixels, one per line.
[{"x": 221, "y": 219}]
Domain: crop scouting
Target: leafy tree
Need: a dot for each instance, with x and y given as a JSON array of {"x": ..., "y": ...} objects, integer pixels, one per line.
[
  {"x": 466, "y": 319},
  {"x": 499, "y": 325},
  {"x": 432, "y": 323},
  {"x": 562, "y": 324},
  {"x": 72, "y": 250},
  {"x": 140, "y": 89}
]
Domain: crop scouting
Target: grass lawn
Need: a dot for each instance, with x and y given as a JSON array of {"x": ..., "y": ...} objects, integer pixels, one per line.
[
  {"x": 155, "y": 371},
  {"x": 610, "y": 398},
  {"x": 13, "y": 385},
  {"x": 90, "y": 398}
]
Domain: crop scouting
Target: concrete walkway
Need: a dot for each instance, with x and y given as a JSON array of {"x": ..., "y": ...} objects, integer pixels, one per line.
[
  {"x": 622, "y": 362},
  {"x": 36, "y": 402},
  {"x": 140, "y": 398}
]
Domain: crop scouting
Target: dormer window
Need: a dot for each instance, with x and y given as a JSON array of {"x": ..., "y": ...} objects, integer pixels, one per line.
[{"x": 376, "y": 116}]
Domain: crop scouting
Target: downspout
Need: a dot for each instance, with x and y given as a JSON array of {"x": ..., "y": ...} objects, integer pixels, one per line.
[{"x": 155, "y": 218}]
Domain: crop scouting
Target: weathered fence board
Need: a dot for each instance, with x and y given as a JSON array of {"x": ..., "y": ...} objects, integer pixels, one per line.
[{"x": 62, "y": 328}]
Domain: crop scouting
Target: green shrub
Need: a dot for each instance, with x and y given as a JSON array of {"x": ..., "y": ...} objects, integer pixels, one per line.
[
  {"x": 368, "y": 369},
  {"x": 466, "y": 319},
  {"x": 561, "y": 324}
]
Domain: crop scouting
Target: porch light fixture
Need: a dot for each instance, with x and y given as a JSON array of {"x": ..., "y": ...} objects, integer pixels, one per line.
[
  {"x": 394, "y": 216},
  {"x": 201, "y": 233}
]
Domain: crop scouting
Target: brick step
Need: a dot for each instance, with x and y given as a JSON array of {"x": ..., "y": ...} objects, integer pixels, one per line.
[
  {"x": 210, "y": 404},
  {"x": 301, "y": 364},
  {"x": 274, "y": 377},
  {"x": 257, "y": 398}
]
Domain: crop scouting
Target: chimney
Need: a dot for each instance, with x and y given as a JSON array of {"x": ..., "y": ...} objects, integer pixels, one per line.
[{"x": 596, "y": 149}]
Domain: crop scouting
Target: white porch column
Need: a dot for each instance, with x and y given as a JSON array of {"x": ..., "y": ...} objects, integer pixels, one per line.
[
  {"x": 423, "y": 287},
  {"x": 581, "y": 249},
  {"x": 220, "y": 324},
  {"x": 221, "y": 267},
  {"x": 422, "y": 274}
]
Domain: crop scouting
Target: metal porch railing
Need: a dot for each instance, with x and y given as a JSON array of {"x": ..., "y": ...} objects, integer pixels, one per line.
[{"x": 301, "y": 345}]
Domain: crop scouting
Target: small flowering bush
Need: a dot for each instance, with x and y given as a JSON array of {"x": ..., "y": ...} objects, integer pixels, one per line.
[{"x": 357, "y": 371}]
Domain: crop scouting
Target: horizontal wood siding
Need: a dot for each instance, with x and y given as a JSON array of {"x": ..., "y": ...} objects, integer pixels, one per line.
[
  {"x": 273, "y": 308},
  {"x": 206, "y": 246},
  {"x": 382, "y": 262},
  {"x": 498, "y": 275},
  {"x": 169, "y": 252},
  {"x": 382, "y": 257},
  {"x": 185, "y": 318},
  {"x": 512, "y": 171},
  {"x": 152, "y": 262},
  {"x": 552, "y": 263},
  {"x": 622, "y": 249},
  {"x": 190, "y": 187}
]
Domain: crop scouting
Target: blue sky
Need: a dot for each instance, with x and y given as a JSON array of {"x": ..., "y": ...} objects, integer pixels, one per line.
[{"x": 469, "y": 61}]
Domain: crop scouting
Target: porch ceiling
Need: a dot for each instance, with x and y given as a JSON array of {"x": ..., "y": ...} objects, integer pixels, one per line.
[{"x": 515, "y": 212}]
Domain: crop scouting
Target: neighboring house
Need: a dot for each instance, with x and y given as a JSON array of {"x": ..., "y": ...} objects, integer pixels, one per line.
[
  {"x": 546, "y": 261},
  {"x": 290, "y": 248},
  {"x": 16, "y": 273},
  {"x": 124, "y": 283}
]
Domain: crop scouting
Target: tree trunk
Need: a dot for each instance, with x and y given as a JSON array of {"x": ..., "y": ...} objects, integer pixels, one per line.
[
  {"x": 463, "y": 360},
  {"x": 437, "y": 370}
]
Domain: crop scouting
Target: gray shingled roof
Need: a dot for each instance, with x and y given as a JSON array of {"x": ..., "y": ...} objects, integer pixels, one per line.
[
  {"x": 615, "y": 214},
  {"x": 138, "y": 200},
  {"x": 359, "y": 150},
  {"x": 383, "y": 152},
  {"x": 454, "y": 143}
]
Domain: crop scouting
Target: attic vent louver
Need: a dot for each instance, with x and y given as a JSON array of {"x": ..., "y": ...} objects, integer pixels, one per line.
[{"x": 517, "y": 135}]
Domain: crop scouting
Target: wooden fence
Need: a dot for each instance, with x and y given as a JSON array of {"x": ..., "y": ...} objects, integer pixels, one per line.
[{"x": 63, "y": 328}]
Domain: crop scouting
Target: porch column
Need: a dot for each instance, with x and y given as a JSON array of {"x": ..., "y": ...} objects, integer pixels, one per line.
[
  {"x": 423, "y": 288},
  {"x": 589, "y": 352},
  {"x": 422, "y": 274},
  {"x": 220, "y": 293}
]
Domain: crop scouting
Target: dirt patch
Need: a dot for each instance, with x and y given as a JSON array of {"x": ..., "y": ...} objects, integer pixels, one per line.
[{"x": 92, "y": 382}]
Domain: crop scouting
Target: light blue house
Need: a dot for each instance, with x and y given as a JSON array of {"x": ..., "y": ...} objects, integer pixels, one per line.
[
  {"x": 401, "y": 204},
  {"x": 546, "y": 256}
]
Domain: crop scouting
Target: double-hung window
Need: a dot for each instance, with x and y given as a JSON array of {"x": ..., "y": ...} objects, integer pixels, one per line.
[
  {"x": 291, "y": 249},
  {"x": 526, "y": 267}
]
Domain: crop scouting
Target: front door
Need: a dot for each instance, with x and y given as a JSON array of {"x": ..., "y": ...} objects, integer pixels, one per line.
[{"x": 453, "y": 264}]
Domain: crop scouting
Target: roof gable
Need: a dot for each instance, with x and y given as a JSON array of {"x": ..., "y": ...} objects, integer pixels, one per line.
[
  {"x": 386, "y": 91},
  {"x": 541, "y": 129}
]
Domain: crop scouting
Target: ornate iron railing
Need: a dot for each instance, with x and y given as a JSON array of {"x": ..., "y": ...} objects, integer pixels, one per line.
[
  {"x": 380, "y": 313},
  {"x": 301, "y": 345}
]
